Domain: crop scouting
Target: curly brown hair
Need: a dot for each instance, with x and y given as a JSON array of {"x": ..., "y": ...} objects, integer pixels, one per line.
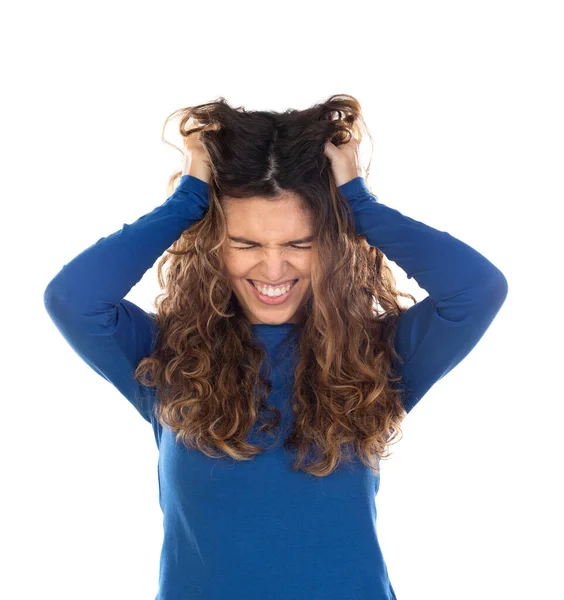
[{"x": 206, "y": 365}]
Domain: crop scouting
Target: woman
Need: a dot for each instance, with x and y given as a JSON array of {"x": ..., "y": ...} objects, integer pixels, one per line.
[{"x": 277, "y": 288}]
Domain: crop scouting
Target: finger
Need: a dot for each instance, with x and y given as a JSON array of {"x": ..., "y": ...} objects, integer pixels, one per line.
[{"x": 330, "y": 150}]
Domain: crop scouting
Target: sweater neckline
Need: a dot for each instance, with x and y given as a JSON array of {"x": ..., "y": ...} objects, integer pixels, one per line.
[{"x": 270, "y": 329}]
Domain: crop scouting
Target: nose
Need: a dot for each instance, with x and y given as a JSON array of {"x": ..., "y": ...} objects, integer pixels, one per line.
[{"x": 275, "y": 268}]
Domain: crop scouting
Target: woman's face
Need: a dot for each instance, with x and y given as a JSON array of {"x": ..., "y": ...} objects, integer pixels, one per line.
[{"x": 269, "y": 242}]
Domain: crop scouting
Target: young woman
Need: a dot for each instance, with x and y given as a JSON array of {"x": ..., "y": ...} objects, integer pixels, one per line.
[{"x": 279, "y": 363}]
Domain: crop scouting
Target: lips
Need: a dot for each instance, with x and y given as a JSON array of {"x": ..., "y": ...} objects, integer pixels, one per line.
[
  {"x": 274, "y": 285},
  {"x": 290, "y": 283}
]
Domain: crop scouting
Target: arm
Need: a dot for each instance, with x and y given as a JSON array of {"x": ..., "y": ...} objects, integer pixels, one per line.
[
  {"x": 465, "y": 289},
  {"x": 85, "y": 300}
]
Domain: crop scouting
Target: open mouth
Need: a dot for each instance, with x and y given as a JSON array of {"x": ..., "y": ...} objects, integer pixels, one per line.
[{"x": 272, "y": 299}]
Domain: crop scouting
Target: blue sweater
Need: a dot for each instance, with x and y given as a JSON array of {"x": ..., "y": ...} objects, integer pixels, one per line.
[{"x": 255, "y": 529}]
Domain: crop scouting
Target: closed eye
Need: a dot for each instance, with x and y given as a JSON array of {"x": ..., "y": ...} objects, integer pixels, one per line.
[{"x": 291, "y": 245}]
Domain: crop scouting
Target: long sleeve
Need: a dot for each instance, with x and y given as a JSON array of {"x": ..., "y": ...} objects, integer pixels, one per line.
[
  {"x": 85, "y": 300},
  {"x": 466, "y": 291}
]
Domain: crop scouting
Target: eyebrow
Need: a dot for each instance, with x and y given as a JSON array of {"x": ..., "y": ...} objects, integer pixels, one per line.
[{"x": 245, "y": 241}]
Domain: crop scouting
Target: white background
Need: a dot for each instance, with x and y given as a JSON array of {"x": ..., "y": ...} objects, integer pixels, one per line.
[{"x": 464, "y": 102}]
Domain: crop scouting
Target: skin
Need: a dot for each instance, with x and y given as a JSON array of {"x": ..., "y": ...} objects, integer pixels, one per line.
[
  {"x": 345, "y": 161},
  {"x": 271, "y": 224}
]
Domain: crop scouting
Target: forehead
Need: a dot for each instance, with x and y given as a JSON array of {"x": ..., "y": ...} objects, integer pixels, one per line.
[{"x": 266, "y": 216}]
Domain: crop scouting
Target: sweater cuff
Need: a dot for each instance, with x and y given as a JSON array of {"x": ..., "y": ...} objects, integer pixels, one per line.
[
  {"x": 198, "y": 187},
  {"x": 356, "y": 190},
  {"x": 190, "y": 182}
]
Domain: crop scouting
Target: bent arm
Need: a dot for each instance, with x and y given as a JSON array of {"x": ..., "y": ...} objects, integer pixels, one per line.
[
  {"x": 465, "y": 289},
  {"x": 85, "y": 299}
]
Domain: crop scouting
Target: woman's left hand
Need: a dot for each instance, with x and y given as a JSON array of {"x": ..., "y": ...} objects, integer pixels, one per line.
[{"x": 345, "y": 161}]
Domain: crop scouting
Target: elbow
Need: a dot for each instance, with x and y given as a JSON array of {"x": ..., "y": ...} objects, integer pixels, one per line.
[
  {"x": 498, "y": 289},
  {"x": 50, "y": 298}
]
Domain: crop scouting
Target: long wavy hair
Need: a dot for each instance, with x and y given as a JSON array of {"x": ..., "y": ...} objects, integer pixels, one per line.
[{"x": 206, "y": 362}]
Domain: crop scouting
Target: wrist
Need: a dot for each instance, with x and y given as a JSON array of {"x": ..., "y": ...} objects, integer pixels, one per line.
[{"x": 197, "y": 169}]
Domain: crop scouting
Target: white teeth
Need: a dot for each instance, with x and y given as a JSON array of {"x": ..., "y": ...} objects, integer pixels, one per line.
[{"x": 271, "y": 292}]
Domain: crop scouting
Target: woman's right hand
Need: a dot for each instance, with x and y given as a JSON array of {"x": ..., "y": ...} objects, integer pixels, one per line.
[{"x": 196, "y": 159}]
